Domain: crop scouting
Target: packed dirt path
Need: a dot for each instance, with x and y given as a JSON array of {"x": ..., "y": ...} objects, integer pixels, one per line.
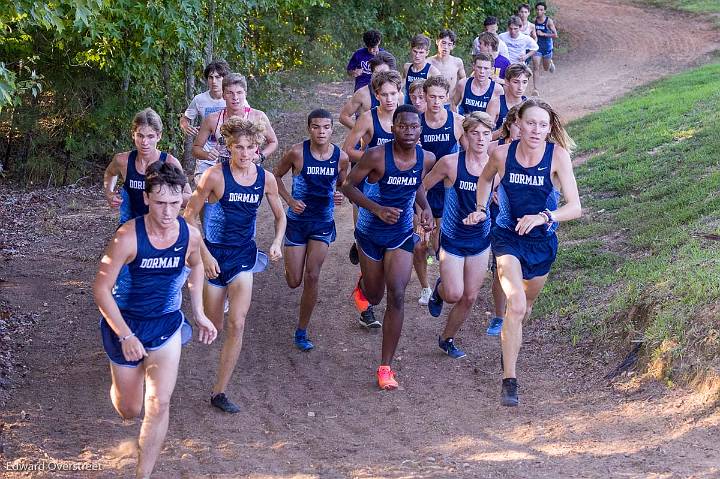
[{"x": 319, "y": 414}]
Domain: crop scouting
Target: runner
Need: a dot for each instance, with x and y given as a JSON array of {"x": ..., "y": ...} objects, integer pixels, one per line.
[
  {"x": 490, "y": 25},
  {"x": 417, "y": 95},
  {"x": 229, "y": 253},
  {"x": 131, "y": 165},
  {"x": 363, "y": 99},
  {"x": 441, "y": 134},
  {"x": 532, "y": 170},
  {"x": 545, "y": 30},
  {"x": 488, "y": 43},
  {"x": 206, "y": 103},
  {"x": 474, "y": 93},
  {"x": 527, "y": 27},
  {"x": 359, "y": 65},
  {"x": 464, "y": 249},
  {"x": 520, "y": 46},
  {"x": 374, "y": 127},
  {"x": 419, "y": 68},
  {"x": 384, "y": 231},
  {"x": 450, "y": 67},
  {"x": 517, "y": 78},
  {"x": 210, "y": 146},
  {"x": 318, "y": 167},
  {"x": 509, "y": 132},
  {"x": 138, "y": 289}
]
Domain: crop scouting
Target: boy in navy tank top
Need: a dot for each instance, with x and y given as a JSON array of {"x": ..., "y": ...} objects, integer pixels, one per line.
[
  {"x": 233, "y": 190},
  {"x": 419, "y": 68},
  {"x": 364, "y": 98},
  {"x": 441, "y": 133},
  {"x": 464, "y": 249},
  {"x": 545, "y": 31},
  {"x": 517, "y": 78},
  {"x": 384, "y": 230},
  {"x": 138, "y": 289},
  {"x": 131, "y": 165},
  {"x": 318, "y": 166},
  {"x": 532, "y": 170},
  {"x": 475, "y": 93}
]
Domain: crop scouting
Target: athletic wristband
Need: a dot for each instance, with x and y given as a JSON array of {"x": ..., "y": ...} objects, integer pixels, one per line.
[
  {"x": 481, "y": 209},
  {"x": 544, "y": 215},
  {"x": 548, "y": 213},
  {"x": 125, "y": 338}
]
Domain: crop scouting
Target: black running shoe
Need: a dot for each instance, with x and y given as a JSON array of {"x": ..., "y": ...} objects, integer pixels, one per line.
[
  {"x": 367, "y": 319},
  {"x": 509, "y": 395},
  {"x": 221, "y": 402},
  {"x": 354, "y": 255}
]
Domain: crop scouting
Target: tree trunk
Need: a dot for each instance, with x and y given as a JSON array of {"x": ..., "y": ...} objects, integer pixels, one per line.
[
  {"x": 187, "y": 161},
  {"x": 169, "y": 107},
  {"x": 210, "y": 45}
]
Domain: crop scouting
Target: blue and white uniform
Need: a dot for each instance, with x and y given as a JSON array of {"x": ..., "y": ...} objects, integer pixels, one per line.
[
  {"x": 133, "y": 204},
  {"x": 379, "y": 136},
  {"x": 545, "y": 44},
  {"x": 440, "y": 141},
  {"x": 503, "y": 111},
  {"x": 526, "y": 191},
  {"x": 148, "y": 292},
  {"x": 472, "y": 102},
  {"x": 314, "y": 186},
  {"x": 457, "y": 238},
  {"x": 413, "y": 76},
  {"x": 396, "y": 189},
  {"x": 229, "y": 226}
]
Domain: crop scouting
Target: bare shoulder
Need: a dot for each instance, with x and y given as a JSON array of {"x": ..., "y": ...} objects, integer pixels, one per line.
[
  {"x": 406, "y": 68},
  {"x": 561, "y": 156},
  {"x": 121, "y": 159}
]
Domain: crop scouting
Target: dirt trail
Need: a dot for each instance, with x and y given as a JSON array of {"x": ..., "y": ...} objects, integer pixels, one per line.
[{"x": 319, "y": 414}]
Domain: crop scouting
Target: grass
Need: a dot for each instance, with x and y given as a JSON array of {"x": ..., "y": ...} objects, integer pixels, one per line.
[
  {"x": 706, "y": 7},
  {"x": 639, "y": 264}
]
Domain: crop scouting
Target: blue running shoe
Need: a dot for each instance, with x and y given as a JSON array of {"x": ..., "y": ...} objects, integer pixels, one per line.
[
  {"x": 435, "y": 304},
  {"x": 450, "y": 349},
  {"x": 302, "y": 342},
  {"x": 495, "y": 326}
]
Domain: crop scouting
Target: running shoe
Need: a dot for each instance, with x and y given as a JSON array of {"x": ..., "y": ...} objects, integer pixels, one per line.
[
  {"x": 495, "y": 326},
  {"x": 551, "y": 69},
  {"x": 386, "y": 378},
  {"x": 509, "y": 395},
  {"x": 425, "y": 296},
  {"x": 302, "y": 342},
  {"x": 450, "y": 349},
  {"x": 354, "y": 255},
  {"x": 367, "y": 319},
  {"x": 435, "y": 304},
  {"x": 361, "y": 302},
  {"x": 221, "y": 402}
]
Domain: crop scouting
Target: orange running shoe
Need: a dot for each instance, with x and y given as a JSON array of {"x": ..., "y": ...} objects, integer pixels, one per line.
[
  {"x": 361, "y": 302},
  {"x": 386, "y": 378}
]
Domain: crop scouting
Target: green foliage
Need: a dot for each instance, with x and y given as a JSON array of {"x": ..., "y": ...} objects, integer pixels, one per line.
[
  {"x": 74, "y": 71},
  {"x": 647, "y": 240}
]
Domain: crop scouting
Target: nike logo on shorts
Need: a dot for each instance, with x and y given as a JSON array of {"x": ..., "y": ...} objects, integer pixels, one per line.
[
  {"x": 163, "y": 338},
  {"x": 244, "y": 266},
  {"x": 325, "y": 234}
]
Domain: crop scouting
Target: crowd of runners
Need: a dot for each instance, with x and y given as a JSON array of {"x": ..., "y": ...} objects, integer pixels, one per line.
[{"x": 440, "y": 166}]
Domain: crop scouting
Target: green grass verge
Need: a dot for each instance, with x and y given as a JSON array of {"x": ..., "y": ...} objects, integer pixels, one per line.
[
  {"x": 709, "y": 7},
  {"x": 639, "y": 264}
]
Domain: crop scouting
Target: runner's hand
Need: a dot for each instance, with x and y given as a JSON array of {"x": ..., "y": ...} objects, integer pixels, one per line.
[
  {"x": 356, "y": 72},
  {"x": 388, "y": 214},
  {"x": 297, "y": 206},
  {"x": 133, "y": 349},
  {"x": 528, "y": 222},
  {"x": 188, "y": 129},
  {"x": 426, "y": 220},
  {"x": 338, "y": 198},
  {"x": 114, "y": 199},
  {"x": 275, "y": 252},
  {"x": 211, "y": 266},
  {"x": 474, "y": 218},
  {"x": 213, "y": 155},
  {"x": 206, "y": 329}
]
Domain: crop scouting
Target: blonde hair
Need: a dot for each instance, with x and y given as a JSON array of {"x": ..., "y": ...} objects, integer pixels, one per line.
[
  {"x": 476, "y": 118},
  {"x": 416, "y": 85},
  {"x": 235, "y": 128},
  {"x": 558, "y": 134},
  {"x": 378, "y": 79},
  {"x": 147, "y": 117}
]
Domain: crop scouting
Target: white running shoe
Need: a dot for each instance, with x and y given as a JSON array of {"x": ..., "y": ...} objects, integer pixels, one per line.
[
  {"x": 425, "y": 296},
  {"x": 551, "y": 69}
]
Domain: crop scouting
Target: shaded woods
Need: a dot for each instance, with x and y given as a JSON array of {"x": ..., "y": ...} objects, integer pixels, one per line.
[{"x": 73, "y": 72}]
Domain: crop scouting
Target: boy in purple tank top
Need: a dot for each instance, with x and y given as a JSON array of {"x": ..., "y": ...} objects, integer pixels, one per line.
[{"x": 359, "y": 65}]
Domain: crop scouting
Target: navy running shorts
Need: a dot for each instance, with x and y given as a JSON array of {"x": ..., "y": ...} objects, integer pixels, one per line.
[
  {"x": 376, "y": 251},
  {"x": 234, "y": 260},
  {"x": 152, "y": 333},
  {"x": 535, "y": 256},
  {"x": 544, "y": 53},
  {"x": 298, "y": 233},
  {"x": 465, "y": 248}
]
